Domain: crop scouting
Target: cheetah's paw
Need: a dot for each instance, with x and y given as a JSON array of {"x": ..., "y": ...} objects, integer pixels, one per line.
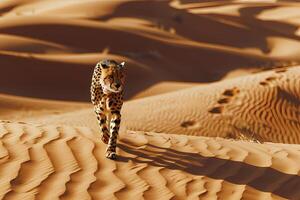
[{"x": 111, "y": 155}]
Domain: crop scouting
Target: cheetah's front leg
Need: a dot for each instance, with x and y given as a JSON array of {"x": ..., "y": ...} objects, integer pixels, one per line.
[
  {"x": 114, "y": 131},
  {"x": 102, "y": 120}
]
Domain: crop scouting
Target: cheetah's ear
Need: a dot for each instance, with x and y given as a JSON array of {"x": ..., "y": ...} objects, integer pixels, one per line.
[{"x": 122, "y": 64}]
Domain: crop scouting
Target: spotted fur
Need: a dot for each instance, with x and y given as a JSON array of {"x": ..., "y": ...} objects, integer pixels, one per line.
[{"x": 107, "y": 90}]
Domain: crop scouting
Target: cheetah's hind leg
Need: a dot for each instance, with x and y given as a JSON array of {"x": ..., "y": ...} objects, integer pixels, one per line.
[{"x": 111, "y": 155}]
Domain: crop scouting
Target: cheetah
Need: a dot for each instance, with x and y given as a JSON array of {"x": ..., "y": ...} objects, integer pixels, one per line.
[{"x": 107, "y": 91}]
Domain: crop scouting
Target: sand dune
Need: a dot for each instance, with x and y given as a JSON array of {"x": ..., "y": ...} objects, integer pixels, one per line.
[
  {"x": 211, "y": 86},
  {"x": 16, "y": 108},
  {"x": 166, "y": 41},
  {"x": 260, "y": 106},
  {"x": 48, "y": 164},
  {"x": 264, "y": 104},
  {"x": 73, "y": 79},
  {"x": 164, "y": 87},
  {"x": 23, "y": 44}
]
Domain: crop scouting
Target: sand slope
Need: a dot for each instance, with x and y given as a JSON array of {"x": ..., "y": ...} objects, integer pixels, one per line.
[
  {"x": 263, "y": 106},
  {"x": 163, "y": 87},
  {"x": 47, "y": 162},
  {"x": 207, "y": 81},
  {"x": 166, "y": 41},
  {"x": 16, "y": 108}
]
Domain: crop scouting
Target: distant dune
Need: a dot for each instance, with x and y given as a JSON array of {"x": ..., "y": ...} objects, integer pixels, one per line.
[
  {"x": 261, "y": 106},
  {"x": 212, "y": 99},
  {"x": 165, "y": 41}
]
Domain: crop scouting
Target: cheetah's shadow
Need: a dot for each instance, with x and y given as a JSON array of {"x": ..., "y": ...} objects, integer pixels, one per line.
[{"x": 236, "y": 172}]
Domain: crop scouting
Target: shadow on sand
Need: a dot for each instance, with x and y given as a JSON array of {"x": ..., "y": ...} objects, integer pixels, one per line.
[{"x": 265, "y": 179}]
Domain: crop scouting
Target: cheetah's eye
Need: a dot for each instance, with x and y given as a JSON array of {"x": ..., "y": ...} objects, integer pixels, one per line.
[{"x": 104, "y": 66}]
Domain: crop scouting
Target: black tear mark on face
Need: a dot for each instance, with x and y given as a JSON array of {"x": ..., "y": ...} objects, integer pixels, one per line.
[{"x": 104, "y": 66}]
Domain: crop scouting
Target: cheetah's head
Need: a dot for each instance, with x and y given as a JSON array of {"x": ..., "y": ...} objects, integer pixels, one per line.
[{"x": 112, "y": 76}]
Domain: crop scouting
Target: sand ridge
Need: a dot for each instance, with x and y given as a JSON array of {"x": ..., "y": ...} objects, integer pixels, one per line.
[
  {"x": 166, "y": 41},
  {"x": 259, "y": 106},
  {"x": 212, "y": 85},
  {"x": 17, "y": 108},
  {"x": 48, "y": 164}
]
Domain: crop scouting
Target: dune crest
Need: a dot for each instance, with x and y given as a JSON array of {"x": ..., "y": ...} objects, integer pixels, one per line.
[
  {"x": 211, "y": 86},
  {"x": 260, "y": 106},
  {"x": 165, "y": 38}
]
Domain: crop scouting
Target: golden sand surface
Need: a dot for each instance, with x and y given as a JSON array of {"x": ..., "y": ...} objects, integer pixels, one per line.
[{"x": 212, "y": 99}]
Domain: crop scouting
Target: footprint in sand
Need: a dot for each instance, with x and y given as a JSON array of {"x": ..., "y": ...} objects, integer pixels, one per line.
[
  {"x": 268, "y": 81},
  {"x": 263, "y": 83},
  {"x": 216, "y": 110},
  {"x": 189, "y": 124},
  {"x": 223, "y": 100},
  {"x": 6, "y": 121},
  {"x": 231, "y": 92},
  {"x": 21, "y": 122},
  {"x": 227, "y": 97},
  {"x": 280, "y": 70}
]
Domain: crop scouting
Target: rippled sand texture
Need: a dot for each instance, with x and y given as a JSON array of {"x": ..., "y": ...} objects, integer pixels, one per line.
[
  {"x": 212, "y": 110},
  {"x": 262, "y": 107},
  {"x": 49, "y": 162}
]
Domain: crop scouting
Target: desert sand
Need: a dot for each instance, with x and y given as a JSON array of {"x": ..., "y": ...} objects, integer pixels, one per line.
[{"x": 212, "y": 99}]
